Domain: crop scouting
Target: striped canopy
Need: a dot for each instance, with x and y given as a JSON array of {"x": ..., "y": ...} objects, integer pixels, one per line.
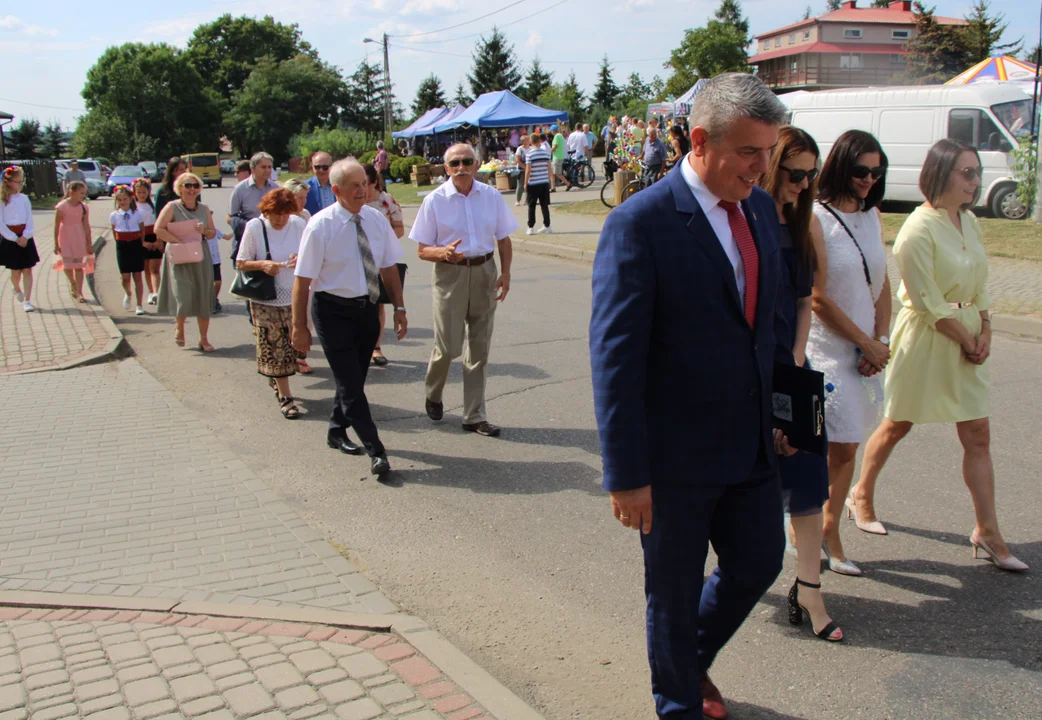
[{"x": 996, "y": 69}]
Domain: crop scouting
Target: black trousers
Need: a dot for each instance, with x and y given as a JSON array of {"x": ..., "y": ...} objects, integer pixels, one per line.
[
  {"x": 348, "y": 336},
  {"x": 539, "y": 193}
]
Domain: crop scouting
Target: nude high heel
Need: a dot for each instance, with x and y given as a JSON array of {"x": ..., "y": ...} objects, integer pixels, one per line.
[
  {"x": 872, "y": 528},
  {"x": 1010, "y": 563}
]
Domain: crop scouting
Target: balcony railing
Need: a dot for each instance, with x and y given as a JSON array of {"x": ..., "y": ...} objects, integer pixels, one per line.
[{"x": 830, "y": 77}]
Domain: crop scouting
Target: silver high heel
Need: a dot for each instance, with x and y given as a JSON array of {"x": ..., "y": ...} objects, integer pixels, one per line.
[
  {"x": 842, "y": 567},
  {"x": 1011, "y": 563},
  {"x": 872, "y": 528}
]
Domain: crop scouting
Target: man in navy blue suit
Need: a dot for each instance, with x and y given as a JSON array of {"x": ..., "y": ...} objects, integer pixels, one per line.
[{"x": 682, "y": 346}]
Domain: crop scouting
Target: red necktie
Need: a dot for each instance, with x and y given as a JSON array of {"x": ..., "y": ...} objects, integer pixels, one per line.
[{"x": 743, "y": 237}]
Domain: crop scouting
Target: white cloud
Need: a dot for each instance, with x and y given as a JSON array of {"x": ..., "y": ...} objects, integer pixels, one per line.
[
  {"x": 634, "y": 5},
  {"x": 431, "y": 7},
  {"x": 10, "y": 22},
  {"x": 534, "y": 39},
  {"x": 175, "y": 32}
]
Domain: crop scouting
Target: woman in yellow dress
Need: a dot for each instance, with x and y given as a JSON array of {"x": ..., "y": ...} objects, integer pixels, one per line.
[{"x": 938, "y": 369}]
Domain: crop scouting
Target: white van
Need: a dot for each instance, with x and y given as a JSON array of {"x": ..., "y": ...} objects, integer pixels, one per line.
[{"x": 908, "y": 120}]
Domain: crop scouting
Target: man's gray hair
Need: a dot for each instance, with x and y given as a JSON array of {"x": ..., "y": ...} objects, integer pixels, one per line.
[
  {"x": 379, "y": 144},
  {"x": 460, "y": 146},
  {"x": 729, "y": 97},
  {"x": 341, "y": 169},
  {"x": 258, "y": 157}
]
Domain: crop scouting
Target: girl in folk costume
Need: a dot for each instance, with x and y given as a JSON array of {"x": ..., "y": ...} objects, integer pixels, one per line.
[
  {"x": 17, "y": 247},
  {"x": 128, "y": 228},
  {"x": 72, "y": 236},
  {"x": 152, "y": 246}
]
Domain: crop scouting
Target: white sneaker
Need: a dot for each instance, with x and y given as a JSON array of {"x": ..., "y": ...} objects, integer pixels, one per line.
[
  {"x": 140, "y": 310},
  {"x": 530, "y": 231},
  {"x": 19, "y": 296},
  {"x": 545, "y": 231},
  {"x": 126, "y": 302},
  {"x": 153, "y": 299},
  {"x": 27, "y": 306}
]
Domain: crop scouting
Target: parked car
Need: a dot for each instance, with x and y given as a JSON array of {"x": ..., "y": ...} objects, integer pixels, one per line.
[
  {"x": 908, "y": 120},
  {"x": 152, "y": 170},
  {"x": 227, "y": 167},
  {"x": 124, "y": 175},
  {"x": 206, "y": 166},
  {"x": 88, "y": 166},
  {"x": 95, "y": 188}
]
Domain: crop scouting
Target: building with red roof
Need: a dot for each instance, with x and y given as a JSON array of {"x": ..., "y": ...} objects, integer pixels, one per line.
[{"x": 849, "y": 47}]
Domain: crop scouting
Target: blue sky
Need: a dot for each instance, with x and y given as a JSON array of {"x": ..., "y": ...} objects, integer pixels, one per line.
[{"x": 49, "y": 45}]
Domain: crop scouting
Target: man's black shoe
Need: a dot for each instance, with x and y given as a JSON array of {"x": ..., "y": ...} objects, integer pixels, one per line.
[
  {"x": 482, "y": 428},
  {"x": 341, "y": 443},
  {"x": 435, "y": 411},
  {"x": 380, "y": 466}
]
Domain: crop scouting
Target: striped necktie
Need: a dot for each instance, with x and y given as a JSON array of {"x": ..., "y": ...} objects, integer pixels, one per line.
[
  {"x": 743, "y": 238},
  {"x": 372, "y": 275}
]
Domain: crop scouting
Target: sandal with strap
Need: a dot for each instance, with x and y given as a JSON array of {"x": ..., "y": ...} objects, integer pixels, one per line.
[
  {"x": 288, "y": 408},
  {"x": 303, "y": 367},
  {"x": 829, "y": 633}
]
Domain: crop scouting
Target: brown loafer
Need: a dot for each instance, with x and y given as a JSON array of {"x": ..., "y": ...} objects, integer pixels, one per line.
[
  {"x": 435, "y": 411},
  {"x": 482, "y": 428},
  {"x": 713, "y": 706}
]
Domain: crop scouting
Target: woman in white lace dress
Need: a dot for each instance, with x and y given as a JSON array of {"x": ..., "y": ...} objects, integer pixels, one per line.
[{"x": 851, "y": 303}]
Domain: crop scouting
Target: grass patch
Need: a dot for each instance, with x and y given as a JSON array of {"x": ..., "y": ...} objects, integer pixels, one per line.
[
  {"x": 47, "y": 202},
  {"x": 408, "y": 194},
  {"x": 593, "y": 208},
  {"x": 1015, "y": 239}
]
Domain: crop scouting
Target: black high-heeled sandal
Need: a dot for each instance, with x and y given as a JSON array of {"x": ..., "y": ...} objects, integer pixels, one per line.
[{"x": 796, "y": 613}]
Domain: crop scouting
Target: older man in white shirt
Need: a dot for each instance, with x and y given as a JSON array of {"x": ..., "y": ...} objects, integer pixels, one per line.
[
  {"x": 458, "y": 228},
  {"x": 345, "y": 251}
]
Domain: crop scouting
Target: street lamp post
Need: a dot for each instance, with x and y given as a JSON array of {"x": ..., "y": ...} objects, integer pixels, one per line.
[{"x": 387, "y": 85}]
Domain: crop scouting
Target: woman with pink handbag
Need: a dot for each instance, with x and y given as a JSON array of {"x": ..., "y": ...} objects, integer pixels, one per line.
[{"x": 186, "y": 286}]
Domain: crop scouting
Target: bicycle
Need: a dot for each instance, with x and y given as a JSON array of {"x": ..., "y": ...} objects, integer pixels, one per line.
[
  {"x": 579, "y": 173},
  {"x": 647, "y": 179}
]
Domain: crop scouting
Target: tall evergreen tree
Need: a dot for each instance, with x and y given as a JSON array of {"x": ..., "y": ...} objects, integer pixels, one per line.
[
  {"x": 807, "y": 13},
  {"x": 52, "y": 141},
  {"x": 462, "y": 98},
  {"x": 831, "y": 5},
  {"x": 880, "y": 3},
  {"x": 365, "y": 87},
  {"x": 730, "y": 13},
  {"x": 428, "y": 96},
  {"x": 24, "y": 140},
  {"x": 984, "y": 33},
  {"x": 606, "y": 90},
  {"x": 537, "y": 81},
  {"x": 1031, "y": 55},
  {"x": 938, "y": 52},
  {"x": 495, "y": 65},
  {"x": 636, "y": 88}
]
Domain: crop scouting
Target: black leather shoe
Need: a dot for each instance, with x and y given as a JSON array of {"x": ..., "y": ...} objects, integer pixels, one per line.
[
  {"x": 342, "y": 444},
  {"x": 483, "y": 428},
  {"x": 380, "y": 466},
  {"x": 435, "y": 411}
]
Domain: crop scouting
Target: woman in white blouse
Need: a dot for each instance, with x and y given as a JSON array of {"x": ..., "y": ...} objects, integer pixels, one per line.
[
  {"x": 282, "y": 229},
  {"x": 17, "y": 247}
]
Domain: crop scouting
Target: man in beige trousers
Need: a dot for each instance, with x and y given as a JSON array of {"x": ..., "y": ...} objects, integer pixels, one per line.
[{"x": 458, "y": 229}]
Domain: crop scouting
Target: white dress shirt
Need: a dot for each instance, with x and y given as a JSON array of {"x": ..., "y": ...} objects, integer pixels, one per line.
[
  {"x": 717, "y": 217},
  {"x": 18, "y": 211},
  {"x": 282, "y": 243},
  {"x": 479, "y": 218},
  {"x": 578, "y": 143},
  {"x": 329, "y": 253}
]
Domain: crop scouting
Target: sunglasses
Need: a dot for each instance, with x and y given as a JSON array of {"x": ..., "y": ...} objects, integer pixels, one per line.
[
  {"x": 970, "y": 174},
  {"x": 321, "y": 167},
  {"x": 191, "y": 185},
  {"x": 796, "y": 176},
  {"x": 465, "y": 162},
  {"x": 863, "y": 171}
]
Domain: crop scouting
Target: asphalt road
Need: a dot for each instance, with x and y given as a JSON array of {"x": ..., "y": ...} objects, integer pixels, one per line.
[{"x": 508, "y": 546}]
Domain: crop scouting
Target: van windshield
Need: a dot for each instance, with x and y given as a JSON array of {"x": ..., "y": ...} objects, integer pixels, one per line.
[
  {"x": 1016, "y": 116},
  {"x": 204, "y": 160}
]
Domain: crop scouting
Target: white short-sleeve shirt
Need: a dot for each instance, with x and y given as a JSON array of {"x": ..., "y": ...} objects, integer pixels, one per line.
[
  {"x": 480, "y": 218},
  {"x": 329, "y": 252},
  {"x": 578, "y": 144}
]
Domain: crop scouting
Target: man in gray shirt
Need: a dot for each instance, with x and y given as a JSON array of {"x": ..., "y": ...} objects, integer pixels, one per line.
[
  {"x": 247, "y": 195},
  {"x": 72, "y": 175},
  {"x": 654, "y": 153}
]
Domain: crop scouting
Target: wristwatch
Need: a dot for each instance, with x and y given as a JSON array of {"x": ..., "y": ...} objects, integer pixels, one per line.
[
  {"x": 399, "y": 309},
  {"x": 884, "y": 339}
]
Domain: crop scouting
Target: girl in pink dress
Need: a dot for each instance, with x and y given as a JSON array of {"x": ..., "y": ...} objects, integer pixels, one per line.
[{"x": 72, "y": 236}]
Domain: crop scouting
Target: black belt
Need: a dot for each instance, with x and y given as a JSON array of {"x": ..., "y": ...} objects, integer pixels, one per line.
[
  {"x": 355, "y": 302},
  {"x": 471, "y": 262}
]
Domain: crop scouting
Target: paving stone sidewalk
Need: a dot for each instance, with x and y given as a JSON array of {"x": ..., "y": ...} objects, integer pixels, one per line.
[
  {"x": 110, "y": 665},
  {"x": 61, "y": 332}
]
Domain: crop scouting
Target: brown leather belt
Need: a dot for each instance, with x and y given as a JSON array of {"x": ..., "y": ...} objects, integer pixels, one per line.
[
  {"x": 126, "y": 236},
  {"x": 471, "y": 262},
  {"x": 17, "y": 229}
]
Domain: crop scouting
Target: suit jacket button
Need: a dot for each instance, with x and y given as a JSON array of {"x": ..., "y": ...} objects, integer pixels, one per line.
[{"x": 756, "y": 347}]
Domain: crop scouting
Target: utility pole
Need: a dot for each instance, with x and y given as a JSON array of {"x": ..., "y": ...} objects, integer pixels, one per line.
[{"x": 388, "y": 121}]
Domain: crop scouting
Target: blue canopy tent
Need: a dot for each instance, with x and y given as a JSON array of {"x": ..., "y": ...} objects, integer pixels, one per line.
[
  {"x": 429, "y": 128},
  {"x": 501, "y": 109},
  {"x": 428, "y": 118}
]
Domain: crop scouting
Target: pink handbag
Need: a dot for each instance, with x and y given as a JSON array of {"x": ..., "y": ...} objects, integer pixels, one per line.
[{"x": 189, "y": 248}]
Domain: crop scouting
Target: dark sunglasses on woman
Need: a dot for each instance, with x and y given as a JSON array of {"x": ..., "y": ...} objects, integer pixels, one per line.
[
  {"x": 193, "y": 186},
  {"x": 970, "y": 174},
  {"x": 796, "y": 176},
  {"x": 863, "y": 171},
  {"x": 465, "y": 162}
]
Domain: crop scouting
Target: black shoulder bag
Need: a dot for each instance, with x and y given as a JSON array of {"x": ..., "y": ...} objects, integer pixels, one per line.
[
  {"x": 864, "y": 262},
  {"x": 255, "y": 284}
]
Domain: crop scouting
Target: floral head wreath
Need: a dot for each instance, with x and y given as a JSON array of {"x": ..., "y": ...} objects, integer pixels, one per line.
[
  {"x": 11, "y": 171},
  {"x": 142, "y": 181},
  {"x": 122, "y": 188}
]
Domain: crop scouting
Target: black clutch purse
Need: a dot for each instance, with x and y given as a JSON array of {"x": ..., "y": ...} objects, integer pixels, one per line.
[
  {"x": 384, "y": 297},
  {"x": 255, "y": 284}
]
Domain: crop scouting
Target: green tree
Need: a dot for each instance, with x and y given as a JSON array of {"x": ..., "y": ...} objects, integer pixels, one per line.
[
  {"x": 938, "y": 52},
  {"x": 730, "y": 13},
  {"x": 984, "y": 33},
  {"x": 704, "y": 52},
  {"x": 831, "y": 5},
  {"x": 155, "y": 92},
  {"x": 658, "y": 88},
  {"x": 635, "y": 89},
  {"x": 279, "y": 100},
  {"x": 808, "y": 13},
  {"x": 365, "y": 109},
  {"x": 606, "y": 91},
  {"x": 537, "y": 81},
  {"x": 24, "y": 140},
  {"x": 495, "y": 65},
  {"x": 565, "y": 96},
  {"x": 461, "y": 97},
  {"x": 881, "y": 3},
  {"x": 1031, "y": 55},
  {"x": 428, "y": 96},
  {"x": 99, "y": 133},
  {"x": 52, "y": 141},
  {"x": 228, "y": 49}
]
